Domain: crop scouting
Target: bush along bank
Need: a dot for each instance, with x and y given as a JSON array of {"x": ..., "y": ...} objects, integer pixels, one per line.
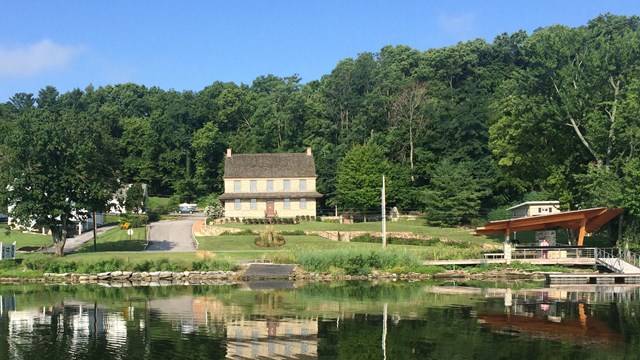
[{"x": 311, "y": 266}]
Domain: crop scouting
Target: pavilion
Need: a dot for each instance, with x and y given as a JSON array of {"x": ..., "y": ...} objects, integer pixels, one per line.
[{"x": 582, "y": 221}]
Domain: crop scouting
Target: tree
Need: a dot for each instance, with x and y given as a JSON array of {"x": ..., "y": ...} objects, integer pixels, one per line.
[
  {"x": 52, "y": 165},
  {"x": 568, "y": 107},
  {"x": 454, "y": 196},
  {"x": 408, "y": 116},
  {"x": 359, "y": 178},
  {"x": 209, "y": 150},
  {"x": 134, "y": 198}
]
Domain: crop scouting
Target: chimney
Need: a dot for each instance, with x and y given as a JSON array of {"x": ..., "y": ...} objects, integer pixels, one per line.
[
  {"x": 228, "y": 153},
  {"x": 308, "y": 151}
]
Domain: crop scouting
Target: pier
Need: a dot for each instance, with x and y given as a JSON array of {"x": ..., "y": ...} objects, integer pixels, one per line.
[{"x": 622, "y": 268}]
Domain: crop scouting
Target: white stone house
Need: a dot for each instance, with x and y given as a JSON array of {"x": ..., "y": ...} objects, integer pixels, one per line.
[
  {"x": 82, "y": 221},
  {"x": 116, "y": 204},
  {"x": 270, "y": 185}
]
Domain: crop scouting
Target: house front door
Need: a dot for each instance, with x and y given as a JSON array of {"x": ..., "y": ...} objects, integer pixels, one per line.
[{"x": 271, "y": 212}]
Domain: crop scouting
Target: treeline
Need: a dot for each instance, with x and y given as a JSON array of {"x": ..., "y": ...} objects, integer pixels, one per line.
[{"x": 459, "y": 131}]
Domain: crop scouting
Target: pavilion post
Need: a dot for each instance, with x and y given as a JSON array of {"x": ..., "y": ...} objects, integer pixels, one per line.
[
  {"x": 583, "y": 230},
  {"x": 507, "y": 246}
]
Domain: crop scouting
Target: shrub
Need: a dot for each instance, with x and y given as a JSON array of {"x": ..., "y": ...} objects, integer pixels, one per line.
[
  {"x": 8, "y": 264},
  {"x": 154, "y": 214},
  {"x": 357, "y": 265},
  {"x": 49, "y": 263},
  {"x": 211, "y": 265},
  {"x": 293, "y": 232},
  {"x": 101, "y": 266},
  {"x": 270, "y": 238},
  {"x": 128, "y": 221},
  {"x": 242, "y": 232},
  {"x": 281, "y": 258},
  {"x": 355, "y": 262}
]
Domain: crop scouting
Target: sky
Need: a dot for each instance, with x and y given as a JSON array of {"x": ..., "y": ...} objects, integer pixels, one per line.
[{"x": 189, "y": 44}]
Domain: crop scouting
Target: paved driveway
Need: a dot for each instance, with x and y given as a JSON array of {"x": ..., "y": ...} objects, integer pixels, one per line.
[{"x": 173, "y": 235}]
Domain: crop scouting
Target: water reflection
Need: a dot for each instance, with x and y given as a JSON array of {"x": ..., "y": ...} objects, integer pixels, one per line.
[{"x": 318, "y": 321}]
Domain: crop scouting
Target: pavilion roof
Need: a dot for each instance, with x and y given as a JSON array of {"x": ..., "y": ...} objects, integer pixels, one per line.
[{"x": 594, "y": 219}]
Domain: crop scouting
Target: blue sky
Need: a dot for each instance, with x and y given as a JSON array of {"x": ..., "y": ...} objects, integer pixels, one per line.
[{"x": 187, "y": 45}]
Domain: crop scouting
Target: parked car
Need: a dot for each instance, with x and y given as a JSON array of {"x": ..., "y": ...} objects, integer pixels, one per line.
[{"x": 187, "y": 208}]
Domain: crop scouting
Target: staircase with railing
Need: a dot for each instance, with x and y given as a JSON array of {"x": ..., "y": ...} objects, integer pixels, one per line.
[{"x": 612, "y": 260}]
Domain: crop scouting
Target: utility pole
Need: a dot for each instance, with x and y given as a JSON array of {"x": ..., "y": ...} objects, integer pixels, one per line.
[
  {"x": 384, "y": 216},
  {"x": 95, "y": 231}
]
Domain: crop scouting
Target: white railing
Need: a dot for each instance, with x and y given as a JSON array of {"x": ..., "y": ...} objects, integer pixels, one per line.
[
  {"x": 553, "y": 252},
  {"x": 610, "y": 258},
  {"x": 632, "y": 258}
]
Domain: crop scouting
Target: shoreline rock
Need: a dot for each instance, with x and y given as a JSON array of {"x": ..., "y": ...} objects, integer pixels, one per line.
[{"x": 158, "y": 278}]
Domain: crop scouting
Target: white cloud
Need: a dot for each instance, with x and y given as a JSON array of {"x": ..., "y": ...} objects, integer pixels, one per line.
[
  {"x": 36, "y": 58},
  {"x": 460, "y": 26}
]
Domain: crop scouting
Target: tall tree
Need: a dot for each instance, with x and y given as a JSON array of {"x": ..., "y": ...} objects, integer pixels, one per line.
[
  {"x": 454, "y": 195},
  {"x": 359, "y": 178},
  {"x": 408, "y": 117},
  {"x": 52, "y": 165}
]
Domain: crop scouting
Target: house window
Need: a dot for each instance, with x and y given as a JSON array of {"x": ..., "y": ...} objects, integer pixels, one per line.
[
  {"x": 286, "y": 185},
  {"x": 253, "y": 185},
  {"x": 236, "y": 204},
  {"x": 303, "y": 185},
  {"x": 236, "y": 185},
  {"x": 303, "y": 203},
  {"x": 254, "y": 204},
  {"x": 539, "y": 210},
  {"x": 287, "y": 203},
  {"x": 269, "y": 185}
]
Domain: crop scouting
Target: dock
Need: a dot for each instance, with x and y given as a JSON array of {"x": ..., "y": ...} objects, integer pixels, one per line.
[
  {"x": 592, "y": 279},
  {"x": 622, "y": 268}
]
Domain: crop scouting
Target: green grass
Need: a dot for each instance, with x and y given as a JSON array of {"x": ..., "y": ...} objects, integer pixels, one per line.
[
  {"x": 12, "y": 269},
  {"x": 25, "y": 239},
  {"x": 112, "y": 261},
  {"x": 157, "y": 201},
  {"x": 111, "y": 219},
  {"x": 118, "y": 240},
  {"x": 415, "y": 227}
]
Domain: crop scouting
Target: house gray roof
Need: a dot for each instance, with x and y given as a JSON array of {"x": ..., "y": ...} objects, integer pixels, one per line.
[{"x": 283, "y": 165}]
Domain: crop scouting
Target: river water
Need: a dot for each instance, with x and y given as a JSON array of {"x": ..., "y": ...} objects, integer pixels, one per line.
[{"x": 357, "y": 320}]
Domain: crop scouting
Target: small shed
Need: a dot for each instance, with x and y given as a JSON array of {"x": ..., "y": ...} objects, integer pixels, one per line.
[{"x": 535, "y": 208}]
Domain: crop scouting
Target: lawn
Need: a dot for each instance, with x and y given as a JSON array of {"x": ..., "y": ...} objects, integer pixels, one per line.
[
  {"x": 415, "y": 227},
  {"x": 157, "y": 202},
  {"x": 118, "y": 240},
  {"x": 25, "y": 239},
  {"x": 293, "y": 243},
  {"x": 242, "y": 247}
]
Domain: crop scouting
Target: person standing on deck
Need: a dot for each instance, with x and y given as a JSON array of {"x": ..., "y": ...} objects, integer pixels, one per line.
[{"x": 544, "y": 242}]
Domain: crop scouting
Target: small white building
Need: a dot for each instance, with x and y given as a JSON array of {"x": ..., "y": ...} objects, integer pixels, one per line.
[{"x": 535, "y": 208}]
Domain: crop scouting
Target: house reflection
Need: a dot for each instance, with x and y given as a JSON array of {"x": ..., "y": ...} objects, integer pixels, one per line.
[{"x": 248, "y": 336}]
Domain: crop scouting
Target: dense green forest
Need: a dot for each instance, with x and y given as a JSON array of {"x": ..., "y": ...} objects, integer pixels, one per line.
[{"x": 460, "y": 132}]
